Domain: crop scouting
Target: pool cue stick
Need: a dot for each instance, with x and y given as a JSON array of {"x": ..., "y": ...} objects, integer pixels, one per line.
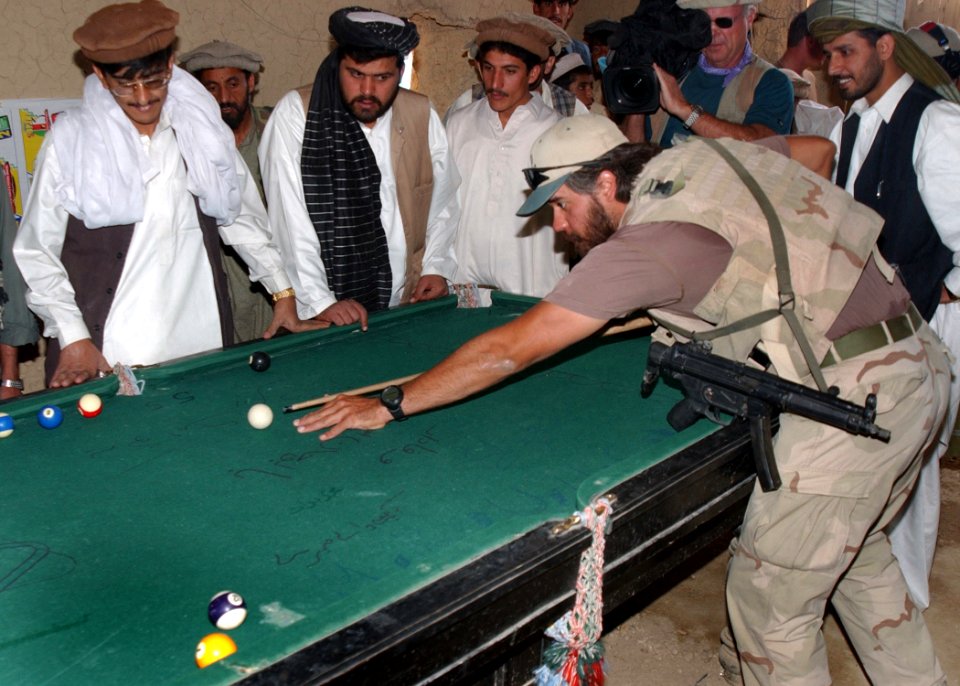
[
  {"x": 363, "y": 390},
  {"x": 638, "y": 323}
]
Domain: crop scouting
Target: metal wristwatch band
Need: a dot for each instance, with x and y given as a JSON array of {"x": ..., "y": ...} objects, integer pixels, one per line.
[
  {"x": 12, "y": 383},
  {"x": 694, "y": 115}
]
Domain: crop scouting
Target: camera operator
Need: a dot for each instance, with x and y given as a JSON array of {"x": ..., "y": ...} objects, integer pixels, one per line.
[{"x": 730, "y": 92}]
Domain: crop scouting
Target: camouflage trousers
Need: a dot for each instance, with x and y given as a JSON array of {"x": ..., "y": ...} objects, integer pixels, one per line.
[{"x": 820, "y": 539}]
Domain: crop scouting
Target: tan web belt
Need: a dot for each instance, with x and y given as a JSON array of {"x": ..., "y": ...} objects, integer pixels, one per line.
[{"x": 873, "y": 337}]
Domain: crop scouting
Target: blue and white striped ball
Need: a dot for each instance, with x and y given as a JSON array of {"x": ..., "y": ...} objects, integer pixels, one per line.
[{"x": 227, "y": 610}]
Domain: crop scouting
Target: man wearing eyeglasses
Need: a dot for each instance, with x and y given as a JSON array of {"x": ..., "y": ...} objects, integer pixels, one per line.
[
  {"x": 680, "y": 234},
  {"x": 899, "y": 153},
  {"x": 131, "y": 194},
  {"x": 731, "y": 92},
  {"x": 560, "y": 12}
]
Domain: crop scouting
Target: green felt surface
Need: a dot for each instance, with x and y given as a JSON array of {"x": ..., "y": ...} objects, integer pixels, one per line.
[{"x": 116, "y": 531}]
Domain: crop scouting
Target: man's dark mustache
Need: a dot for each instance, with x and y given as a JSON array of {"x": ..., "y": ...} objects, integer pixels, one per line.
[
  {"x": 365, "y": 100},
  {"x": 494, "y": 91}
]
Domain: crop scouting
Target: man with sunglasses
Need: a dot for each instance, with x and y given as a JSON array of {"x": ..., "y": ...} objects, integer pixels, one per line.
[
  {"x": 899, "y": 153},
  {"x": 731, "y": 92},
  {"x": 681, "y": 234},
  {"x": 132, "y": 192}
]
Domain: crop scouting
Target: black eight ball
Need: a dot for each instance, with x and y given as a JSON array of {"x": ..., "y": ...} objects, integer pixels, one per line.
[{"x": 259, "y": 362}]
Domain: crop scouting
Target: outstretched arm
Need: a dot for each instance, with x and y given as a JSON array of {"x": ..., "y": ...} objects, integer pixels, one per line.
[{"x": 482, "y": 362}]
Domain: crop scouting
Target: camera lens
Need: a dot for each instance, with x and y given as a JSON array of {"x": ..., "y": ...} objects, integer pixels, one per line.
[
  {"x": 636, "y": 84},
  {"x": 631, "y": 89}
]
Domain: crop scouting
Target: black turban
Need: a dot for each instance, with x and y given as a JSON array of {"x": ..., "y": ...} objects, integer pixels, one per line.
[{"x": 363, "y": 28}]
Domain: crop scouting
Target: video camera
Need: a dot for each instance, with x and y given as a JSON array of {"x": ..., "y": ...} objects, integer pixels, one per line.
[{"x": 657, "y": 32}]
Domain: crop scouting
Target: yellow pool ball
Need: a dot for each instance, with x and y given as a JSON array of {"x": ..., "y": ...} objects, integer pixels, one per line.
[{"x": 213, "y": 648}]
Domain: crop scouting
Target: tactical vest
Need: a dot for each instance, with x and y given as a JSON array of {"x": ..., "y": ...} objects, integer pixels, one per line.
[
  {"x": 735, "y": 102},
  {"x": 412, "y": 172},
  {"x": 829, "y": 238}
]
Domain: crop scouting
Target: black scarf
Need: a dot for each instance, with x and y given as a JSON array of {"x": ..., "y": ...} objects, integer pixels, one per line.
[
  {"x": 341, "y": 180},
  {"x": 341, "y": 186}
]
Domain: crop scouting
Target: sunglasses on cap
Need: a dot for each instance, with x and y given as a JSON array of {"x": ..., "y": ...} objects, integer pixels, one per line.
[
  {"x": 723, "y": 22},
  {"x": 535, "y": 175}
]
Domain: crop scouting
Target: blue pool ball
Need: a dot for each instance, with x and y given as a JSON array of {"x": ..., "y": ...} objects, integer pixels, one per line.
[
  {"x": 259, "y": 361},
  {"x": 227, "y": 610},
  {"x": 6, "y": 425},
  {"x": 50, "y": 417}
]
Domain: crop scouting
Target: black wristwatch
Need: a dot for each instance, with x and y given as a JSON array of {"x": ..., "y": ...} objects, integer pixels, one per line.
[{"x": 391, "y": 398}]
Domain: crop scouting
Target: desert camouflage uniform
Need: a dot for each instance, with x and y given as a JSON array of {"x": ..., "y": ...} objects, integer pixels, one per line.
[{"x": 819, "y": 537}]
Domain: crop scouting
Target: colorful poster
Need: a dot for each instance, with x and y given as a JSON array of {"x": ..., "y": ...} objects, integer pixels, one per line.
[{"x": 23, "y": 126}]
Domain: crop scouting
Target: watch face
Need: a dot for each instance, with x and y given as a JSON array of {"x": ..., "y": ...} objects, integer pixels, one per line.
[{"x": 391, "y": 396}]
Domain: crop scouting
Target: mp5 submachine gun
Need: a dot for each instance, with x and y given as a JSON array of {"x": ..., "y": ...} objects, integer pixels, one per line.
[{"x": 713, "y": 384}]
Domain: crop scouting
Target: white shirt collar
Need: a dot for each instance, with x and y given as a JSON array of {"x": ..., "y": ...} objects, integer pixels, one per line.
[
  {"x": 887, "y": 102},
  {"x": 382, "y": 124}
]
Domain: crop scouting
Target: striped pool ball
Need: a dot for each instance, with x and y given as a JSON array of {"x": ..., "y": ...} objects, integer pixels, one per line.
[
  {"x": 6, "y": 425},
  {"x": 227, "y": 610}
]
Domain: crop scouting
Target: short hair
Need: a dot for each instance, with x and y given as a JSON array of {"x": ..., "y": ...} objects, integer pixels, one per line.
[
  {"x": 798, "y": 30},
  {"x": 522, "y": 54},
  {"x": 625, "y": 162},
  {"x": 565, "y": 80},
  {"x": 362, "y": 55},
  {"x": 872, "y": 35},
  {"x": 148, "y": 65}
]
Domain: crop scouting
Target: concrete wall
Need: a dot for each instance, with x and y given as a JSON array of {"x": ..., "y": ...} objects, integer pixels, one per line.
[{"x": 38, "y": 57}]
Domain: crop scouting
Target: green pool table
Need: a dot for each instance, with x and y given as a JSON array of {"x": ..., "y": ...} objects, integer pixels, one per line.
[{"x": 422, "y": 553}]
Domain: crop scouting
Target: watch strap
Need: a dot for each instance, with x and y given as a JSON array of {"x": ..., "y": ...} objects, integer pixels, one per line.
[
  {"x": 694, "y": 115},
  {"x": 394, "y": 407},
  {"x": 12, "y": 383}
]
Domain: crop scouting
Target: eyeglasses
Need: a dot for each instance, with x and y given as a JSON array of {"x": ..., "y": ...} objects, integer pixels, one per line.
[
  {"x": 723, "y": 22},
  {"x": 535, "y": 175},
  {"x": 154, "y": 83}
]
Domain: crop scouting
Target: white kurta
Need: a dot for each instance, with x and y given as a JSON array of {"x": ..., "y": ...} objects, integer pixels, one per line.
[
  {"x": 280, "y": 154},
  {"x": 164, "y": 306},
  {"x": 494, "y": 246},
  {"x": 936, "y": 153}
]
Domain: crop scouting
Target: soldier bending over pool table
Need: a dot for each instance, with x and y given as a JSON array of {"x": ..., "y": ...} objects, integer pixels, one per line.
[{"x": 679, "y": 234}]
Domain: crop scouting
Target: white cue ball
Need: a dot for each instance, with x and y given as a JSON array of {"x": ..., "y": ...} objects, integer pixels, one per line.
[{"x": 260, "y": 416}]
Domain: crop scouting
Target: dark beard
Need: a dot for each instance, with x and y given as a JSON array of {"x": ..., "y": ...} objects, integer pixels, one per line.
[
  {"x": 598, "y": 229},
  {"x": 234, "y": 115},
  {"x": 368, "y": 117}
]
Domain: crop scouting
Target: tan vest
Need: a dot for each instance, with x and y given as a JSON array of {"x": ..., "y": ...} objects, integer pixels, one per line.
[
  {"x": 735, "y": 102},
  {"x": 413, "y": 172},
  {"x": 829, "y": 239}
]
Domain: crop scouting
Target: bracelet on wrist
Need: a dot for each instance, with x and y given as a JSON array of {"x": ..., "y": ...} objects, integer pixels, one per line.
[{"x": 285, "y": 293}]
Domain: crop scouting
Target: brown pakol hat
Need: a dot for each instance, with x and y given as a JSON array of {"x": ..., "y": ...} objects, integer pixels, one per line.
[
  {"x": 523, "y": 35},
  {"x": 127, "y": 31}
]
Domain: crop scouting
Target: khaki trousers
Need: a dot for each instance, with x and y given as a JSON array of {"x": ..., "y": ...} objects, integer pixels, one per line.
[{"x": 819, "y": 537}]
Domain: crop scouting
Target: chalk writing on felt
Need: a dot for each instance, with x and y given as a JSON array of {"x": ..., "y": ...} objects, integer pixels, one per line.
[
  {"x": 284, "y": 466},
  {"x": 425, "y": 443},
  {"x": 386, "y": 513},
  {"x": 325, "y": 496},
  {"x": 30, "y": 563}
]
